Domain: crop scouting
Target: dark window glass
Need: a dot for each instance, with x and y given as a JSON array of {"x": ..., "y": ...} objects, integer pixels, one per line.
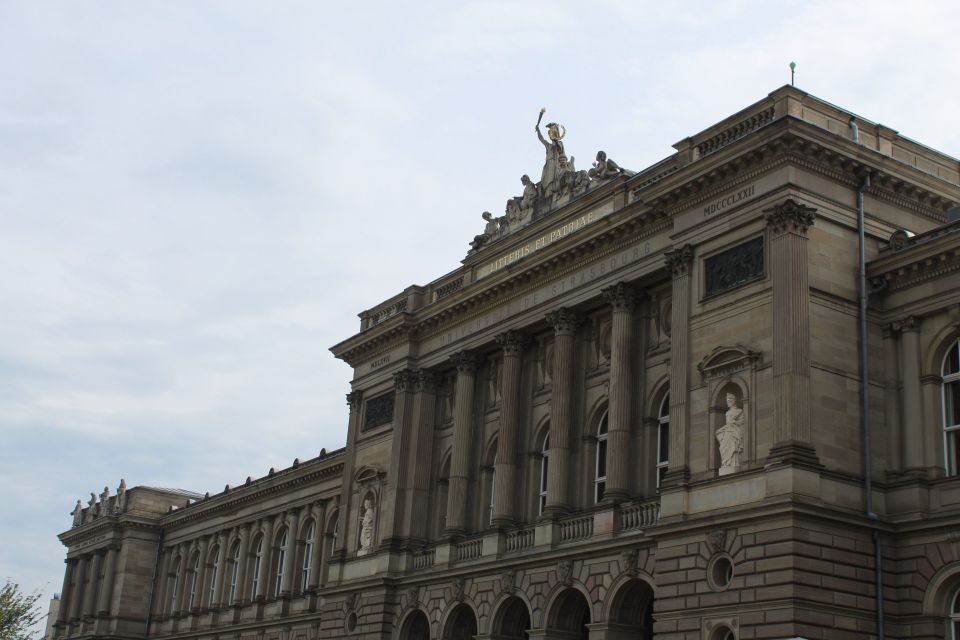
[
  {"x": 379, "y": 411},
  {"x": 734, "y": 267}
]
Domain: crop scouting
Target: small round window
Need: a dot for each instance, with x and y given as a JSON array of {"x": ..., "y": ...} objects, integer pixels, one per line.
[
  {"x": 719, "y": 574},
  {"x": 351, "y": 622}
]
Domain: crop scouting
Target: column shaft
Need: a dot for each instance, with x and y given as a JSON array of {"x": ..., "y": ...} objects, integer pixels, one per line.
[
  {"x": 90, "y": 592},
  {"x": 392, "y": 530},
  {"x": 619, "y": 418},
  {"x": 913, "y": 423},
  {"x": 319, "y": 539},
  {"x": 891, "y": 399},
  {"x": 65, "y": 593},
  {"x": 462, "y": 443},
  {"x": 680, "y": 263},
  {"x": 106, "y": 589},
  {"x": 421, "y": 457},
  {"x": 564, "y": 323},
  {"x": 505, "y": 494},
  {"x": 77, "y": 592}
]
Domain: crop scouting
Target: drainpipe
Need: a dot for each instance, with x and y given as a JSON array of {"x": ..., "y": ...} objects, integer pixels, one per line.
[{"x": 863, "y": 295}]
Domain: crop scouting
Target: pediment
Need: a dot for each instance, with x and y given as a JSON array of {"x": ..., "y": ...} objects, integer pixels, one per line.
[{"x": 724, "y": 360}]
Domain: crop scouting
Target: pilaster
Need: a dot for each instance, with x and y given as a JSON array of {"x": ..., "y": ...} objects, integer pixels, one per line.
[
  {"x": 504, "y": 504},
  {"x": 912, "y": 431},
  {"x": 466, "y": 364},
  {"x": 680, "y": 264},
  {"x": 404, "y": 385},
  {"x": 622, "y": 300},
  {"x": 420, "y": 461},
  {"x": 565, "y": 322}
]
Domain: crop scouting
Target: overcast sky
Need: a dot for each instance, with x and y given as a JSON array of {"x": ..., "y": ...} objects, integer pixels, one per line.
[{"x": 197, "y": 198}]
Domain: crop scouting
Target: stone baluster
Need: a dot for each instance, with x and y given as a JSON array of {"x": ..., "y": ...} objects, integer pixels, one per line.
[
  {"x": 90, "y": 592},
  {"x": 914, "y": 422},
  {"x": 421, "y": 445},
  {"x": 680, "y": 263},
  {"x": 564, "y": 323},
  {"x": 787, "y": 224},
  {"x": 457, "y": 497},
  {"x": 106, "y": 588},
  {"x": 293, "y": 534},
  {"x": 505, "y": 494},
  {"x": 622, "y": 300}
]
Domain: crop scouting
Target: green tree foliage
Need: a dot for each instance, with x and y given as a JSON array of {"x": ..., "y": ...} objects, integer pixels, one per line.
[{"x": 18, "y": 612}]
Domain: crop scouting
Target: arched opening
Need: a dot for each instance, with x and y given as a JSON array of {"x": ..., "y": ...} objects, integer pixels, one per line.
[
  {"x": 663, "y": 440},
  {"x": 462, "y": 624},
  {"x": 631, "y": 612},
  {"x": 950, "y": 373},
  {"x": 415, "y": 627},
  {"x": 600, "y": 477},
  {"x": 569, "y": 616},
  {"x": 512, "y": 620}
]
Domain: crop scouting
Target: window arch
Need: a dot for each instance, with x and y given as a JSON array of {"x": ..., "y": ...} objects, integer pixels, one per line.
[
  {"x": 174, "y": 592},
  {"x": 950, "y": 372},
  {"x": 954, "y": 621},
  {"x": 544, "y": 464},
  {"x": 194, "y": 575},
  {"x": 308, "y": 542},
  {"x": 234, "y": 573},
  {"x": 663, "y": 439},
  {"x": 214, "y": 572},
  {"x": 257, "y": 560},
  {"x": 282, "y": 541},
  {"x": 489, "y": 478},
  {"x": 600, "y": 477}
]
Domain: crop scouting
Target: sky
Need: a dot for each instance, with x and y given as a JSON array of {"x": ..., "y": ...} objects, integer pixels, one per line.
[{"x": 198, "y": 198}]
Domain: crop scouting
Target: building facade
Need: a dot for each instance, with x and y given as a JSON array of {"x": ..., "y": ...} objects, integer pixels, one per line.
[{"x": 635, "y": 410}]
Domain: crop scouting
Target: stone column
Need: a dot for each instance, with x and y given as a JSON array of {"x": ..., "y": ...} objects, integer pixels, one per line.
[
  {"x": 181, "y": 604},
  {"x": 391, "y": 529},
  {"x": 417, "y": 510},
  {"x": 240, "y": 595},
  {"x": 355, "y": 402},
  {"x": 77, "y": 592},
  {"x": 69, "y": 593},
  {"x": 787, "y": 224},
  {"x": 163, "y": 580},
  {"x": 505, "y": 494},
  {"x": 266, "y": 559},
  {"x": 680, "y": 264},
  {"x": 106, "y": 588},
  {"x": 622, "y": 300},
  {"x": 288, "y": 566},
  {"x": 564, "y": 323},
  {"x": 891, "y": 398},
  {"x": 913, "y": 418},
  {"x": 216, "y": 595},
  {"x": 90, "y": 592},
  {"x": 462, "y": 443},
  {"x": 319, "y": 544}
]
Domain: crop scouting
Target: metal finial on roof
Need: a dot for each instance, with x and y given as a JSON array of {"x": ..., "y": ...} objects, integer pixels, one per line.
[{"x": 793, "y": 68}]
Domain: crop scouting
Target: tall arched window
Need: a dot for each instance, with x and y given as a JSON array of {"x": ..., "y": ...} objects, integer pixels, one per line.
[
  {"x": 214, "y": 572},
  {"x": 663, "y": 439},
  {"x": 257, "y": 559},
  {"x": 544, "y": 462},
  {"x": 194, "y": 575},
  {"x": 234, "y": 573},
  {"x": 334, "y": 533},
  {"x": 281, "y": 560},
  {"x": 955, "y": 616},
  {"x": 176, "y": 587},
  {"x": 307, "y": 557},
  {"x": 600, "y": 479},
  {"x": 951, "y": 408}
]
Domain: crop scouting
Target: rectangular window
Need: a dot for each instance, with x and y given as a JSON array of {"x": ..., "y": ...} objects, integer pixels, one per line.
[{"x": 735, "y": 266}]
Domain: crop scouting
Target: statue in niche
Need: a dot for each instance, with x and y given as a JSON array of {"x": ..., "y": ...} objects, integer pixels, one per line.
[
  {"x": 604, "y": 168},
  {"x": 367, "y": 524},
  {"x": 730, "y": 437},
  {"x": 78, "y": 513}
]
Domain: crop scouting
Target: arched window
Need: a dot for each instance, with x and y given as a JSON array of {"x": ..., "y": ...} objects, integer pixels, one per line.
[
  {"x": 600, "y": 479},
  {"x": 215, "y": 571},
  {"x": 951, "y": 408},
  {"x": 194, "y": 575},
  {"x": 663, "y": 439},
  {"x": 281, "y": 560},
  {"x": 955, "y": 616},
  {"x": 257, "y": 559},
  {"x": 234, "y": 573},
  {"x": 176, "y": 587},
  {"x": 544, "y": 462},
  {"x": 307, "y": 557},
  {"x": 334, "y": 533}
]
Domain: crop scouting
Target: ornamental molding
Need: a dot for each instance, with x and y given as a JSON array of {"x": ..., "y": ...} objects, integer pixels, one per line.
[
  {"x": 512, "y": 342},
  {"x": 789, "y": 216},
  {"x": 724, "y": 360},
  {"x": 679, "y": 261},
  {"x": 621, "y": 296},
  {"x": 564, "y": 320}
]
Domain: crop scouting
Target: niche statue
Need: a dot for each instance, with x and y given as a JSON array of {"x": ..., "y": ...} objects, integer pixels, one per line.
[
  {"x": 730, "y": 438},
  {"x": 367, "y": 524}
]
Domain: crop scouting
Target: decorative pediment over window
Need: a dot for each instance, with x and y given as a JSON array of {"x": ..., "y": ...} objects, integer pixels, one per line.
[{"x": 724, "y": 360}]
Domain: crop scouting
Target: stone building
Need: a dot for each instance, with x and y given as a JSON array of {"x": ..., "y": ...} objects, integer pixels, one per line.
[{"x": 634, "y": 411}]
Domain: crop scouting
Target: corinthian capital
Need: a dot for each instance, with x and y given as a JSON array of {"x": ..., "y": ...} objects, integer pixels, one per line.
[
  {"x": 564, "y": 320},
  {"x": 405, "y": 380},
  {"x": 512, "y": 342},
  {"x": 353, "y": 399},
  {"x": 789, "y": 216},
  {"x": 680, "y": 260},
  {"x": 621, "y": 296},
  {"x": 465, "y": 361}
]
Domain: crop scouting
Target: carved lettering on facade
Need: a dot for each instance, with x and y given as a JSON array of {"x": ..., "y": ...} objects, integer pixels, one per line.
[
  {"x": 730, "y": 200},
  {"x": 379, "y": 362}
]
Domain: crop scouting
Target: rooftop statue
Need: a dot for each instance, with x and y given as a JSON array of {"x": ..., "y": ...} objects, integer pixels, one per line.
[
  {"x": 556, "y": 162},
  {"x": 604, "y": 168}
]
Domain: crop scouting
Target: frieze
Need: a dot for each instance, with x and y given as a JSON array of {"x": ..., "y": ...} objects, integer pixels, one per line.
[{"x": 733, "y": 267}]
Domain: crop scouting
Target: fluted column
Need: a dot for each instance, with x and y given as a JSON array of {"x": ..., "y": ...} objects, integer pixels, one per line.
[
  {"x": 62, "y": 612},
  {"x": 216, "y": 590},
  {"x": 90, "y": 592},
  {"x": 891, "y": 398},
  {"x": 266, "y": 558},
  {"x": 181, "y": 604},
  {"x": 106, "y": 588},
  {"x": 787, "y": 224},
  {"x": 292, "y": 536},
  {"x": 462, "y": 435},
  {"x": 79, "y": 588},
  {"x": 355, "y": 402},
  {"x": 240, "y": 595},
  {"x": 161, "y": 597},
  {"x": 319, "y": 545},
  {"x": 504, "y": 502},
  {"x": 913, "y": 419},
  {"x": 680, "y": 264},
  {"x": 392, "y": 532},
  {"x": 622, "y": 300},
  {"x": 75, "y": 575},
  {"x": 421, "y": 445},
  {"x": 564, "y": 323}
]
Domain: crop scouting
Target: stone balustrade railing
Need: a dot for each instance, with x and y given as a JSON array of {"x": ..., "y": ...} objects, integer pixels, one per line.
[
  {"x": 574, "y": 529},
  {"x": 424, "y": 558},
  {"x": 519, "y": 540},
  {"x": 469, "y": 549},
  {"x": 639, "y": 515}
]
